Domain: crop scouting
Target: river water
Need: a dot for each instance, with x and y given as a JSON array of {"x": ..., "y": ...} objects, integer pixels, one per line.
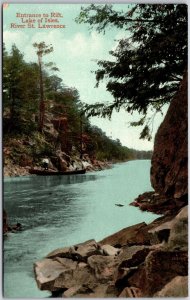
[{"x": 59, "y": 211}]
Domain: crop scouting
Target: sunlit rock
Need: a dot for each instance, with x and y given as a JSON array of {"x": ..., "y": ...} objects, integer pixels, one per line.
[
  {"x": 110, "y": 250},
  {"x": 103, "y": 266},
  {"x": 177, "y": 287},
  {"x": 133, "y": 235}
]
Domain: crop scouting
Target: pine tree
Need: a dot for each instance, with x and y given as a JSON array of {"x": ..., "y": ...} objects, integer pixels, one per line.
[
  {"x": 13, "y": 66},
  {"x": 42, "y": 49},
  {"x": 148, "y": 64}
]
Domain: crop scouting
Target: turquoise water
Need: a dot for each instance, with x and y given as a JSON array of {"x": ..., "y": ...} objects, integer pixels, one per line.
[{"x": 61, "y": 211}]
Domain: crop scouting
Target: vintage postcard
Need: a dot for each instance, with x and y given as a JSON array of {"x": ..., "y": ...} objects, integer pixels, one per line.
[{"x": 95, "y": 150}]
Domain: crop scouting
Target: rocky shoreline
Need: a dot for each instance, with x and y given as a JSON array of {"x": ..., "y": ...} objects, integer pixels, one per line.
[
  {"x": 138, "y": 261},
  {"x": 159, "y": 204},
  {"x": 11, "y": 170}
]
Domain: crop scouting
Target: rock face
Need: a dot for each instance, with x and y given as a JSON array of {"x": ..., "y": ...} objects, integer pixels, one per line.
[
  {"x": 161, "y": 266},
  {"x": 177, "y": 287},
  {"x": 133, "y": 235},
  {"x": 135, "y": 269},
  {"x": 169, "y": 160}
]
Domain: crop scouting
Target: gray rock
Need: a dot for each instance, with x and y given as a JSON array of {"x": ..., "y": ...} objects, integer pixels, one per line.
[
  {"x": 175, "y": 231},
  {"x": 82, "y": 275},
  {"x": 72, "y": 291},
  {"x": 61, "y": 252},
  {"x": 133, "y": 235},
  {"x": 81, "y": 252},
  {"x": 67, "y": 263},
  {"x": 133, "y": 256},
  {"x": 178, "y": 238},
  {"x": 103, "y": 266},
  {"x": 177, "y": 287},
  {"x": 78, "y": 252},
  {"x": 47, "y": 271},
  {"x": 162, "y": 232}
]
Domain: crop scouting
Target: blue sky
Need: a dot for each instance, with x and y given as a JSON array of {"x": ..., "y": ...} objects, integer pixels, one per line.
[{"x": 76, "y": 50}]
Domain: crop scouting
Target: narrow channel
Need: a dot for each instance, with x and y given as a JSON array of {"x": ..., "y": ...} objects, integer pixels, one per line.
[{"x": 60, "y": 211}]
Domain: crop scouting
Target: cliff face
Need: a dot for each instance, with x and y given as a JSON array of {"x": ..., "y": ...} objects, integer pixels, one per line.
[{"x": 169, "y": 173}]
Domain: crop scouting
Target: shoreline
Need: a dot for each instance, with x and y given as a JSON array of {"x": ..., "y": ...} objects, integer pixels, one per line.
[
  {"x": 19, "y": 171},
  {"x": 129, "y": 263},
  {"x": 24, "y": 171}
]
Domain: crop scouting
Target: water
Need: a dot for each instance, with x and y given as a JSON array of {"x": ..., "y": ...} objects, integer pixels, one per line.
[{"x": 60, "y": 211}]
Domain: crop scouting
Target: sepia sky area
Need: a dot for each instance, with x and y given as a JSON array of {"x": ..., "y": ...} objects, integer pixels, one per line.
[{"x": 76, "y": 51}]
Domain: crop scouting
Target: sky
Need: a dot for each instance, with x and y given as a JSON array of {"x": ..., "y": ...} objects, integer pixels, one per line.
[{"x": 76, "y": 51}]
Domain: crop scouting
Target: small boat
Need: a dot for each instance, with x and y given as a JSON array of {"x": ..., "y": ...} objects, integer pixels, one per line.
[{"x": 52, "y": 172}]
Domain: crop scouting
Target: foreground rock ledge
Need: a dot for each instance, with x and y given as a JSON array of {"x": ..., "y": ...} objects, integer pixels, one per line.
[{"x": 138, "y": 261}]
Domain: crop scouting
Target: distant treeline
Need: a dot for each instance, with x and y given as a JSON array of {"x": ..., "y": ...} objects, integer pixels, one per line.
[
  {"x": 24, "y": 88},
  {"x": 141, "y": 154}
]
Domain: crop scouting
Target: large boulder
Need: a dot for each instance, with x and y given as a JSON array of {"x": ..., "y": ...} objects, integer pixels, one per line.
[
  {"x": 132, "y": 235},
  {"x": 48, "y": 271},
  {"x": 79, "y": 252},
  {"x": 104, "y": 267},
  {"x": 178, "y": 238},
  {"x": 62, "y": 274},
  {"x": 169, "y": 170},
  {"x": 161, "y": 266},
  {"x": 129, "y": 260},
  {"x": 60, "y": 252},
  {"x": 82, "y": 275},
  {"x": 174, "y": 232},
  {"x": 177, "y": 287},
  {"x": 132, "y": 256}
]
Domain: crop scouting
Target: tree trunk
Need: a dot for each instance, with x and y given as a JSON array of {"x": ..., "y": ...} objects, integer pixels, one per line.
[{"x": 42, "y": 103}]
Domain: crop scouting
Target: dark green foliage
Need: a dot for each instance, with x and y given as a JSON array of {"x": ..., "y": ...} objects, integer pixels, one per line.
[
  {"x": 148, "y": 64},
  {"x": 19, "y": 91},
  {"x": 54, "y": 83},
  {"x": 105, "y": 148},
  {"x": 21, "y": 98}
]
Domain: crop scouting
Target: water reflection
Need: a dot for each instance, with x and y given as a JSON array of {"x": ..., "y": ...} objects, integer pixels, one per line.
[
  {"x": 33, "y": 181},
  {"x": 31, "y": 201},
  {"x": 60, "y": 211}
]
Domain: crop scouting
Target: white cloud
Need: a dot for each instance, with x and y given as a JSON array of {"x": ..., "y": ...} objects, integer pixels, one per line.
[
  {"x": 82, "y": 45},
  {"x": 79, "y": 46},
  {"x": 18, "y": 37},
  {"x": 73, "y": 56}
]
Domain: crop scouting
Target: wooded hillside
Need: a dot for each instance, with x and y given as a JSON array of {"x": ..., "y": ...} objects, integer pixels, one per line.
[{"x": 42, "y": 116}]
